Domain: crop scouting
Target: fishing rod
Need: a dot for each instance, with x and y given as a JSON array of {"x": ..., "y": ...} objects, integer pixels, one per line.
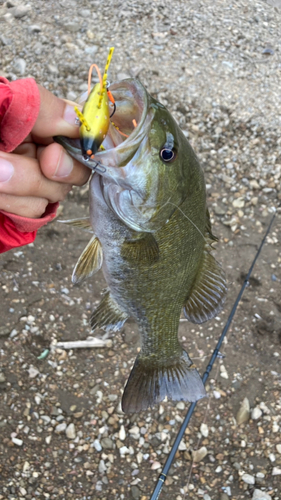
[{"x": 162, "y": 477}]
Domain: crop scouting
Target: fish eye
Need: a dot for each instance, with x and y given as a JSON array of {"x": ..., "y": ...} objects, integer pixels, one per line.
[{"x": 167, "y": 154}]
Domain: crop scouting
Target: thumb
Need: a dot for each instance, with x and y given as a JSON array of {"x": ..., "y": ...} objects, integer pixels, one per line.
[{"x": 56, "y": 117}]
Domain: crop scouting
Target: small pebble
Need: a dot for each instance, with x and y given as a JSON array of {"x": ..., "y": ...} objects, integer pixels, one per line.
[
  {"x": 181, "y": 405},
  {"x": 136, "y": 493},
  {"x": 26, "y": 466},
  {"x": 156, "y": 465},
  {"x": 217, "y": 394},
  {"x": 122, "y": 433},
  {"x": 256, "y": 413},
  {"x": 107, "y": 443},
  {"x": 200, "y": 454},
  {"x": 124, "y": 450},
  {"x": 17, "y": 441},
  {"x": 223, "y": 372},
  {"x": 33, "y": 372},
  {"x": 224, "y": 496},
  {"x": 276, "y": 471},
  {"x": 33, "y": 28},
  {"x": 20, "y": 11},
  {"x": 260, "y": 495},
  {"x": 243, "y": 413},
  {"x": 60, "y": 428},
  {"x": 70, "y": 431},
  {"x": 19, "y": 66},
  {"x": 238, "y": 203},
  {"x": 182, "y": 446},
  {"x": 204, "y": 430},
  {"x": 97, "y": 445},
  {"x": 73, "y": 27},
  {"x": 248, "y": 479},
  {"x": 102, "y": 467}
]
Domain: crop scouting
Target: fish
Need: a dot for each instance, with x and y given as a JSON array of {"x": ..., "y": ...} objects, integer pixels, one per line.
[{"x": 153, "y": 240}]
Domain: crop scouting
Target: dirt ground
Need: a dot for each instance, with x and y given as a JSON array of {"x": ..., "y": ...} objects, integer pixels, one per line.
[{"x": 217, "y": 67}]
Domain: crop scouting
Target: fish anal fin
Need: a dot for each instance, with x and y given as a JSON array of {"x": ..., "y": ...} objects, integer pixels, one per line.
[
  {"x": 150, "y": 382},
  {"x": 143, "y": 249},
  {"x": 83, "y": 223},
  {"x": 208, "y": 293},
  {"x": 89, "y": 262},
  {"x": 108, "y": 315}
]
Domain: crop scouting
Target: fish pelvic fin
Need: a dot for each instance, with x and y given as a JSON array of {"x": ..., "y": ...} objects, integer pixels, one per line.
[
  {"x": 83, "y": 223},
  {"x": 89, "y": 262},
  {"x": 143, "y": 249},
  {"x": 208, "y": 293},
  {"x": 108, "y": 315},
  {"x": 150, "y": 382}
]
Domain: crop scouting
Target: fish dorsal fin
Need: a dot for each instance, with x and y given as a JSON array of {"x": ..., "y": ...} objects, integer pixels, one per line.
[
  {"x": 108, "y": 315},
  {"x": 208, "y": 293},
  {"x": 83, "y": 223},
  {"x": 89, "y": 262},
  {"x": 143, "y": 249}
]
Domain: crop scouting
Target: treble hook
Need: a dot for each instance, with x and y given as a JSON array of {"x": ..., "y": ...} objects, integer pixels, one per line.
[{"x": 96, "y": 166}]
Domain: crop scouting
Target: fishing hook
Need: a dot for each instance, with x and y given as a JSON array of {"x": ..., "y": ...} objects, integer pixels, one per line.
[{"x": 95, "y": 166}]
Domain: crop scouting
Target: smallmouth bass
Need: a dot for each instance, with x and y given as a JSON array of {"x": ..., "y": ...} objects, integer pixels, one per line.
[{"x": 152, "y": 239}]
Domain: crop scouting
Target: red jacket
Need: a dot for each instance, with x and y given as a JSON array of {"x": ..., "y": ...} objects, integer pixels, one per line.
[{"x": 19, "y": 108}]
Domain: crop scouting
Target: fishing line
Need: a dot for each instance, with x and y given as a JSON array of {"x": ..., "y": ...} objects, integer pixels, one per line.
[
  {"x": 188, "y": 219},
  {"x": 162, "y": 477}
]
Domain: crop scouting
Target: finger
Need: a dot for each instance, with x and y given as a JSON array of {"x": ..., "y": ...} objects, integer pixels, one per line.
[
  {"x": 57, "y": 165},
  {"x": 26, "y": 149},
  {"x": 56, "y": 117},
  {"x": 25, "y": 206},
  {"x": 22, "y": 176}
]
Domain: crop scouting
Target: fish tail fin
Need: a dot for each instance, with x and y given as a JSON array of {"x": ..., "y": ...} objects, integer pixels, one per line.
[{"x": 150, "y": 382}]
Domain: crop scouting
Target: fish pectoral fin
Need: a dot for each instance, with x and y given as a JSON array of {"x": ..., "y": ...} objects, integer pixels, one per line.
[
  {"x": 143, "y": 249},
  {"x": 150, "y": 382},
  {"x": 108, "y": 315},
  {"x": 208, "y": 293},
  {"x": 83, "y": 223},
  {"x": 89, "y": 262}
]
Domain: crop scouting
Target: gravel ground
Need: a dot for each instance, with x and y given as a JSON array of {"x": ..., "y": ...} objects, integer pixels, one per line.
[{"x": 217, "y": 66}]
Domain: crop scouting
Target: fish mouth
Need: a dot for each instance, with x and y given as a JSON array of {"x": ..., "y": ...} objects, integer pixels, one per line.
[{"x": 128, "y": 127}]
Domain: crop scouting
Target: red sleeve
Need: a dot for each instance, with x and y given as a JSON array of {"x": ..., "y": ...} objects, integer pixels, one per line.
[
  {"x": 16, "y": 231},
  {"x": 19, "y": 108}
]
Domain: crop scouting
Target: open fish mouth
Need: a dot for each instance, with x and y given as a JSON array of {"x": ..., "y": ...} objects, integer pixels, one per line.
[{"x": 127, "y": 129}]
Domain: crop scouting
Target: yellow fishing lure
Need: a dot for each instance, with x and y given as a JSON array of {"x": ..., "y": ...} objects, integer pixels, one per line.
[{"x": 95, "y": 116}]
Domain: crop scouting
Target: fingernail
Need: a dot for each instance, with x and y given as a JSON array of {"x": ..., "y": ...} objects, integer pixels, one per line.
[
  {"x": 65, "y": 166},
  {"x": 70, "y": 115},
  {"x": 6, "y": 170}
]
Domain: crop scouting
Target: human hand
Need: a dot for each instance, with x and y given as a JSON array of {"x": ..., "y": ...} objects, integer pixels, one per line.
[{"x": 39, "y": 171}]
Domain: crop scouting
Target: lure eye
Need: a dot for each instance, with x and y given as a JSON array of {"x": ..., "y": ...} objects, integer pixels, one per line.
[{"x": 167, "y": 154}]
